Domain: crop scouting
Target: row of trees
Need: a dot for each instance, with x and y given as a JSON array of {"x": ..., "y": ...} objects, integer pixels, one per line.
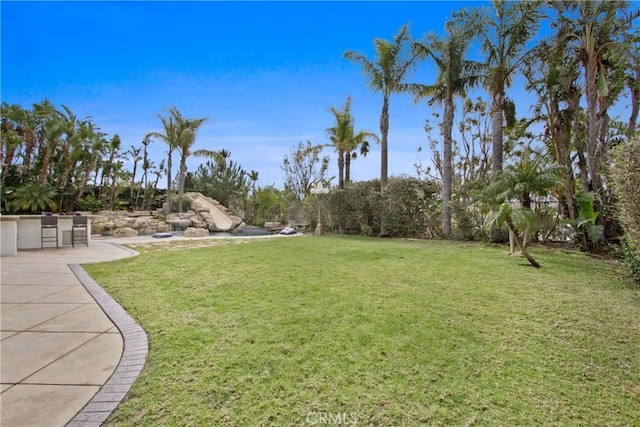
[
  {"x": 577, "y": 75},
  {"x": 54, "y": 161}
]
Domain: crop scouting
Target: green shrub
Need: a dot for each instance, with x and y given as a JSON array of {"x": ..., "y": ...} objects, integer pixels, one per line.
[
  {"x": 625, "y": 181},
  {"x": 407, "y": 207},
  {"x": 89, "y": 203},
  {"x": 630, "y": 259}
]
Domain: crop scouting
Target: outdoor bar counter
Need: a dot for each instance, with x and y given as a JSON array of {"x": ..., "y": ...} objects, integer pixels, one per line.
[{"x": 20, "y": 232}]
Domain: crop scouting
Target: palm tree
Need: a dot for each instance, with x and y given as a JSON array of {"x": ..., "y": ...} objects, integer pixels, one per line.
[
  {"x": 340, "y": 133},
  {"x": 598, "y": 34},
  {"x": 359, "y": 146},
  {"x": 553, "y": 74},
  {"x": 504, "y": 213},
  {"x": 393, "y": 60},
  {"x": 112, "y": 148},
  {"x": 134, "y": 153},
  {"x": 347, "y": 142},
  {"x": 170, "y": 137},
  {"x": 455, "y": 75},
  {"x": 532, "y": 175},
  {"x": 503, "y": 35},
  {"x": 186, "y": 138}
]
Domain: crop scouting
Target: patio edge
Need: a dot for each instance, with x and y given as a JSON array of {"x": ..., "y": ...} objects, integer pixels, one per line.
[{"x": 132, "y": 361}]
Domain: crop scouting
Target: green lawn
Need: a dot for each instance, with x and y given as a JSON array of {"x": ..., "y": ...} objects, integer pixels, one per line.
[{"x": 307, "y": 331}]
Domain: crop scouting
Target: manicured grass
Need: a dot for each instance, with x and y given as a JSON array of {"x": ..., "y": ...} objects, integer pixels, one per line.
[{"x": 383, "y": 332}]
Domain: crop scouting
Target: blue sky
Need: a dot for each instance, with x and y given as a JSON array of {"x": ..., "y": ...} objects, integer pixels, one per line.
[{"x": 264, "y": 73}]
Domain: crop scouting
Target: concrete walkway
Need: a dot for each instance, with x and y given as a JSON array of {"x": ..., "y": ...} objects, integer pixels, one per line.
[{"x": 66, "y": 345}]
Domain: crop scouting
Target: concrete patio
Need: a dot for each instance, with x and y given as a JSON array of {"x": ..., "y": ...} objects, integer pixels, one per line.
[{"x": 66, "y": 345}]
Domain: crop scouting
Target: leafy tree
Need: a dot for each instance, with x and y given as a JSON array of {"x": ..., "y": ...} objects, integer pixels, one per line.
[
  {"x": 385, "y": 74},
  {"x": 222, "y": 179},
  {"x": 304, "y": 167},
  {"x": 270, "y": 204},
  {"x": 553, "y": 74},
  {"x": 134, "y": 154}
]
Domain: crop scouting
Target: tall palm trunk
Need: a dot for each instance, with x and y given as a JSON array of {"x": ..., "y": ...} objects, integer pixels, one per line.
[
  {"x": 384, "y": 146},
  {"x": 183, "y": 172},
  {"x": 592, "y": 124},
  {"x": 447, "y": 166},
  {"x": 340, "y": 168},
  {"x": 497, "y": 113},
  {"x": 347, "y": 166},
  {"x": 384, "y": 156},
  {"x": 169, "y": 164}
]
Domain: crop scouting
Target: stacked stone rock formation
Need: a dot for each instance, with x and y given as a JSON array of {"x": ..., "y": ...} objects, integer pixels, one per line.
[{"x": 199, "y": 218}]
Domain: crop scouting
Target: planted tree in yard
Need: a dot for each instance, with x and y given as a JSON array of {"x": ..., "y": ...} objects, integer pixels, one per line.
[
  {"x": 505, "y": 214},
  {"x": 304, "y": 167},
  {"x": 386, "y": 74},
  {"x": 531, "y": 176},
  {"x": 503, "y": 32},
  {"x": 597, "y": 32},
  {"x": 347, "y": 142},
  {"x": 222, "y": 179},
  {"x": 553, "y": 76},
  {"x": 170, "y": 136},
  {"x": 50, "y": 148},
  {"x": 455, "y": 76}
]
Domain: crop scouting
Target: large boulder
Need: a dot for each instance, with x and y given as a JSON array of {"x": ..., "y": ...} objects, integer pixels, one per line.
[
  {"x": 209, "y": 220},
  {"x": 198, "y": 222},
  {"x": 140, "y": 223},
  {"x": 124, "y": 222},
  {"x": 196, "y": 232},
  {"x": 125, "y": 232},
  {"x": 273, "y": 227}
]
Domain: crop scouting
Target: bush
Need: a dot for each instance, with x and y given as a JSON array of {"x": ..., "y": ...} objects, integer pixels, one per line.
[
  {"x": 352, "y": 208},
  {"x": 407, "y": 207},
  {"x": 89, "y": 203},
  {"x": 630, "y": 259},
  {"x": 625, "y": 182}
]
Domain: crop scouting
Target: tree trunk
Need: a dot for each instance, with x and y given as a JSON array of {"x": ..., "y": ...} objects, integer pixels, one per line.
[
  {"x": 592, "y": 123},
  {"x": 183, "y": 171},
  {"x": 384, "y": 166},
  {"x": 447, "y": 167},
  {"x": 635, "y": 105},
  {"x": 497, "y": 113},
  {"x": 347, "y": 167},
  {"x": 340, "y": 168},
  {"x": 584, "y": 173},
  {"x": 526, "y": 254},
  {"x": 168, "y": 209},
  {"x": 384, "y": 132}
]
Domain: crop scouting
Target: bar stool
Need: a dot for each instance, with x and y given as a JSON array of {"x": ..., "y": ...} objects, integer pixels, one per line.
[
  {"x": 48, "y": 223},
  {"x": 79, "y": 226}
]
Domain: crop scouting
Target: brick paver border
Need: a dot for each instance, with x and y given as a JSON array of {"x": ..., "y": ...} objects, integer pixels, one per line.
[{"x": 134, "y": 357}]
